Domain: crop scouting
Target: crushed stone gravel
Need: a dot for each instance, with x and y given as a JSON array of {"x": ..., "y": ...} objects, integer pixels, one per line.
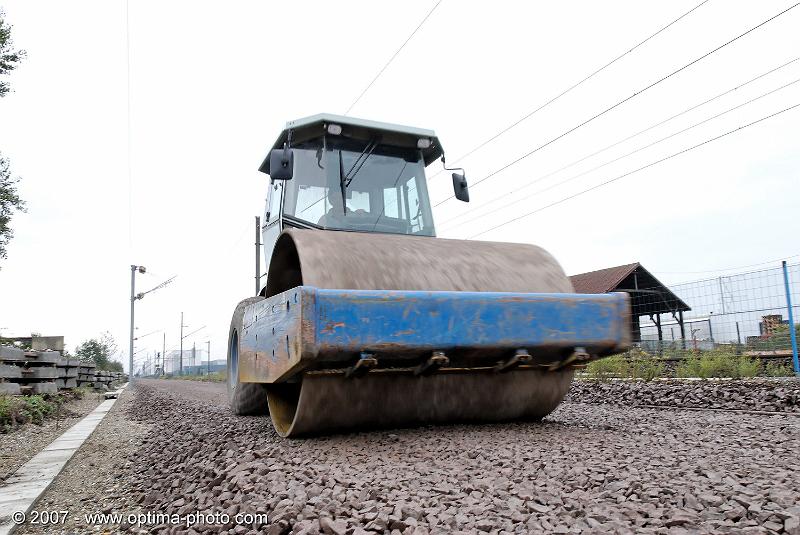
[
  {"x": 586, "y": 469},
  {"x": 778, "y": 394}
]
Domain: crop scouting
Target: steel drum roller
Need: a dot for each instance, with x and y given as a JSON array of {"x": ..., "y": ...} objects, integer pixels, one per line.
[{"x": 324, "y": 400}]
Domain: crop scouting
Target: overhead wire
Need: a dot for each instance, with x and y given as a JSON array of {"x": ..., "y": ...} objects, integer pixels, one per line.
[
  {"x": 364, "y": 91},
  {"x": 629, "y": 173},
  {"x": 623, "y": 101},
  {"x": 628, "y": 138},
  {"x": 631, "y": 153},
  {"x": 728, "y": 269},
  {"x": 569, "y": 89}
]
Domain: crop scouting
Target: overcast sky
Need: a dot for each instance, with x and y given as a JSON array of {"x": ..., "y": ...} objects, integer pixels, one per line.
[{"x": 212, "y": 83}]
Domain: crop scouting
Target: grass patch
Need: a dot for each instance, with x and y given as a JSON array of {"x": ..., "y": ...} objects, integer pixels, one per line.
[
  {"x": 16, "y": 411},
  {"x": 635, "y": 364},
  {"x": 646, "y": 368},
  {"x": 608, "y": 368},
  {"x": 20, "y": 410},
  {"x": 718, "y": 363},
  {"x": 216, "y": 377}
]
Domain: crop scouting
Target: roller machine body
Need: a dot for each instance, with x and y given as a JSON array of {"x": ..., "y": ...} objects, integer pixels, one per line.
[{"x": 368, "y": 320}]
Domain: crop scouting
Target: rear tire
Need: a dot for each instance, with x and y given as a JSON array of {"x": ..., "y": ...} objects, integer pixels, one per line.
[{"x": 244, "y": 398}]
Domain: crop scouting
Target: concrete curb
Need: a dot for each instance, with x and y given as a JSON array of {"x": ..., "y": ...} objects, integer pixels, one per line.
[{"x": 23, "y": 488}]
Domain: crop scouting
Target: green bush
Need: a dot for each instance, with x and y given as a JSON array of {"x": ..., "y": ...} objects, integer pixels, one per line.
[
  {"x": 746, "y": 367},
  {"x": 718, "y": 363},
  {"x": 37, "y": 408},
  {"x": 215, "y": 377},
  {"x": 81, "y": 392},
  {"x": 776, "y": 369},
  {"x": 636, "y": 364},
  {"x": 646, "y": 368},
  {"x": 608, "y": 368},
  {"x": 688, "y": 367},
  {"x": 18, "y": 410},
  {"x": 9, "y": 411}
]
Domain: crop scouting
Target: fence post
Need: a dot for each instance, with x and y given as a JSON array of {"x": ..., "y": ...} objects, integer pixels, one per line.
[{"x": 792, "y": 333}]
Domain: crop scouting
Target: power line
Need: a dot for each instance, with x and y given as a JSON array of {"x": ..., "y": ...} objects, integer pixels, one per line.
[
  {"x": 651, "y": 164},
  {"x": 128, "y": 82},
  {"x": 618, "y": 158},
  {"x": 651, "y": 127},
  {"x": 570, "y": 88},
  {"x": 727, "y": 269},
  {"x": 393, "y": 56},
  {"x": 623, "y": 101}
]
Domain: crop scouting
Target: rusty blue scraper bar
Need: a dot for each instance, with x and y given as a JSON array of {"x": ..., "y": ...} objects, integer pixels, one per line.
[
  {"x": 309, "y": 328},
  {"x": 394, "y": 321}
]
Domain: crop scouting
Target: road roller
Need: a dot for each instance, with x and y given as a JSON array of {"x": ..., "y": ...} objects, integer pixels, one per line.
[{"x": 367, "y": 320}]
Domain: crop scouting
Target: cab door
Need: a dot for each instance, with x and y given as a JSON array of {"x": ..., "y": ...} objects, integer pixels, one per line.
[{"x": 271, "y": 227}]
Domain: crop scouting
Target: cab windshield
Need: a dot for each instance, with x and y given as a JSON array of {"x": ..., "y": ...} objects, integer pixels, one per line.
[{"x": 364, "y": 186}]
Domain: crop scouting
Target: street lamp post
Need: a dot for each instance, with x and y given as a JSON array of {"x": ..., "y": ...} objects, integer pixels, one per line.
[{"x": 134, "y": 297}]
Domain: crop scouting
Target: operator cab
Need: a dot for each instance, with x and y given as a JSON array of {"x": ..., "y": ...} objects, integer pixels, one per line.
[{"x": 339, "y": 173}]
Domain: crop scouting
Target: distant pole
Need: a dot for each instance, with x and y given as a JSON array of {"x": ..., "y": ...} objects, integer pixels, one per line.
[
  {"x": 193, "y": 354},
  {"x": 208, "y": 344},
  {"x": 710, "y": 331},
  {"x": 180, "y": 359},
  {"x": 163, "y": 352},
  {"x": 792, "y": 328},
  {"x": 133, "y": 299},
  {"x": 258, "y": 256}
]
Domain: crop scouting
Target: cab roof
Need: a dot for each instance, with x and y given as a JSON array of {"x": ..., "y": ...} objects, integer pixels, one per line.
[{"x": 359, "y": 129}]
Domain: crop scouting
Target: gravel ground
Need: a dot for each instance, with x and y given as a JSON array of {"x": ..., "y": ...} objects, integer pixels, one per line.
[
  {"x": 18, "y": 446},
  {"x": 779, "y": 394},
  {"x": 93, "y": 475},
  {"x": 588, "y": 468}
]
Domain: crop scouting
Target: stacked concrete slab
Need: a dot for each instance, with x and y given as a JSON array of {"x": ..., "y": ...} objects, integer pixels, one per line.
[
  {"x": 86, "y": 372},
  {"x": 28, "y": 372},
  {"x": 102, "y": 380},
  {"x": 119, "y": 377},
  {"x": 67, "y": 373}
]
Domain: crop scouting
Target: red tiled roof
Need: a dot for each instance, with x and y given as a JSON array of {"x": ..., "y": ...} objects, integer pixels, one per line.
[{"x": 602, "y": 280}]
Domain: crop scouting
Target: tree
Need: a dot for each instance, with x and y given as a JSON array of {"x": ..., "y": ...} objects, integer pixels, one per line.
[
  {"x": 9, "y": 199},
  {"x": 9, "y": 202},
  {"x": 9, "y": 58},
  {"x": 100, "y": 351}
]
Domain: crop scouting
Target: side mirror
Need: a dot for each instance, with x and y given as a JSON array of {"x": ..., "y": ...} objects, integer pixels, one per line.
[
  {"x": 460, "y": 187},
  {"x": 281, "y": 164}
]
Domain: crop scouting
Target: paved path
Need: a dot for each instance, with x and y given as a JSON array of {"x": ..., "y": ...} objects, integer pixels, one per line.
[{"x": 19, "y": 492}]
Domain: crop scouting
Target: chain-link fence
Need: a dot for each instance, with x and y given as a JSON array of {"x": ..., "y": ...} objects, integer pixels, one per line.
[{"x": 747, "y": 313}]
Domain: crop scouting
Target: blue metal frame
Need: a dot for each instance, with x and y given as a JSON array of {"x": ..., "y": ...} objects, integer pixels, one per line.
[
  {"x": 307, "y": 327},
  {"x": 792, "y": 326},
  {"x": 369, "y": 320}
]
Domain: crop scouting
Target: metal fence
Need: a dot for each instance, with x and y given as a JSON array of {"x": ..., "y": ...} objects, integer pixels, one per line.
[{"x": 746, "y": 312}]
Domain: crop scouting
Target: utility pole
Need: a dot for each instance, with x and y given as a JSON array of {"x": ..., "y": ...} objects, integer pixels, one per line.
[
  {"x": 208, "y": 344},
  {"x": 134, "y": 297},
  {"x": 193, "y": 354},
  {"x": 258, "y": 255},
  {"x": 163, "y": 352},
  {"x": 180, "y": 369}
]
